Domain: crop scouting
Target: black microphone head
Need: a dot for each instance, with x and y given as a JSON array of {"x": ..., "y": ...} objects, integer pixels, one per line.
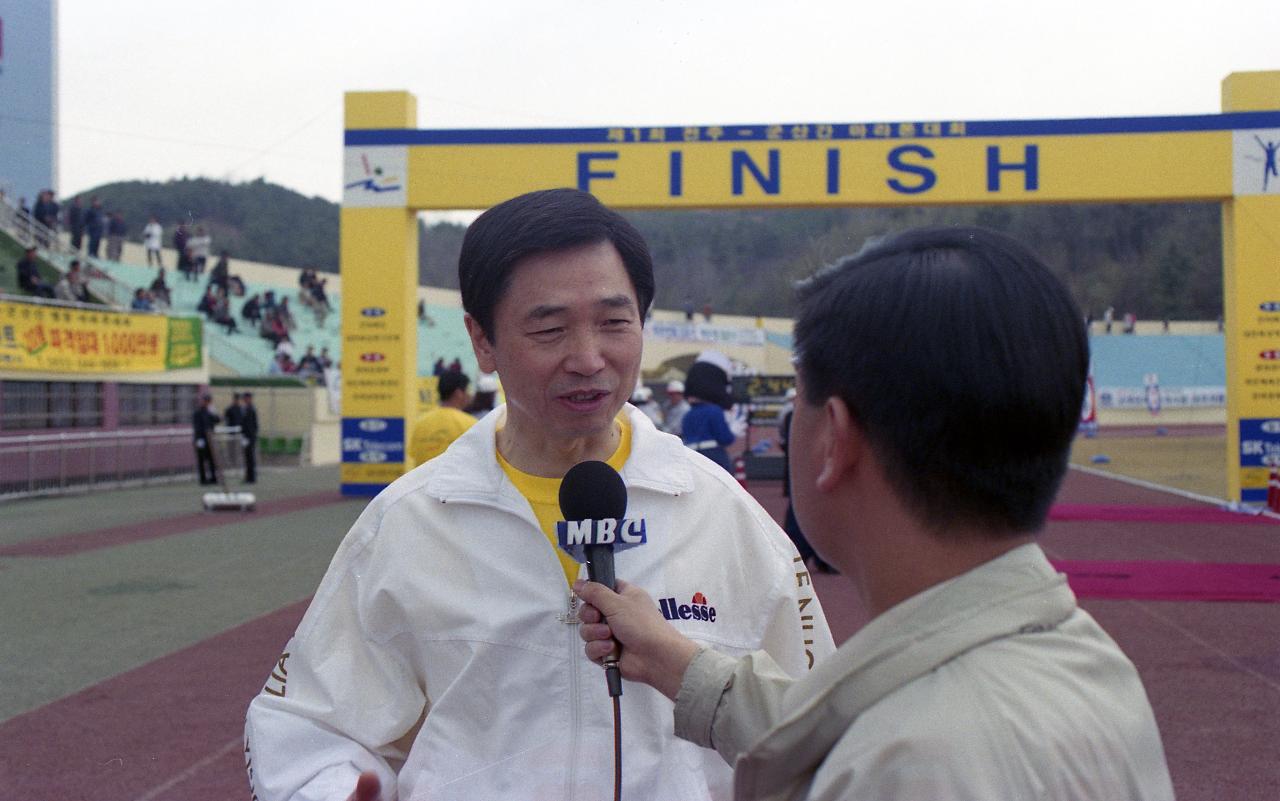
[{"x": 592, "y": 491}]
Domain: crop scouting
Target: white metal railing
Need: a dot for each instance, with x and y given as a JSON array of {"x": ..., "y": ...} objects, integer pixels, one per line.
[{"x": 51, "y": 464}]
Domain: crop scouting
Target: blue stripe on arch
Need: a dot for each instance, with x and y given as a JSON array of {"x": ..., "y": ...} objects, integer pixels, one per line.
[{"x": 840, "y": 132}]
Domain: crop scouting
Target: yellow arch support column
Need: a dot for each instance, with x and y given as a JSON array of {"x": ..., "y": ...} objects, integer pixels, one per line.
[
  {"x": 1251, "y": 290},
  {"x": 379, "y": 262}
]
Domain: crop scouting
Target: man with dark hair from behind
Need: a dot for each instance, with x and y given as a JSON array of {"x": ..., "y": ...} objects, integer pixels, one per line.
[
  {"x": 439, "y": 658},
  {"x": 436, "y": 430},
  {"x": 940, "y": 375}
]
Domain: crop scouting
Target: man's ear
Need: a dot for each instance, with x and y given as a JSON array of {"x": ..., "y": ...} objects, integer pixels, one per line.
[
  {"x": 841, "y": 443},
  {"x": 480, "y": 345}
]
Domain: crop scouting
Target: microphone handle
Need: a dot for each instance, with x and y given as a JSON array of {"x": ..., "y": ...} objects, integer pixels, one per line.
[
  {"x": 600, "y": 569},
  {"x": 600, "y": 565}
]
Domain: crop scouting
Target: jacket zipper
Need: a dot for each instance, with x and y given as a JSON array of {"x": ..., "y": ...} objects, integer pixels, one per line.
[{"x": 575, "y": 725}]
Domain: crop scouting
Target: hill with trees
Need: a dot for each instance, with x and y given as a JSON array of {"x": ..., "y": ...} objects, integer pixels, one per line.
[{"x": 1156, "y": 260}]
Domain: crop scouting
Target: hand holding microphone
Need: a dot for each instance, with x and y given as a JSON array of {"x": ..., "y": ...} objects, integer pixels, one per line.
[{"x": 653, "y": 652}]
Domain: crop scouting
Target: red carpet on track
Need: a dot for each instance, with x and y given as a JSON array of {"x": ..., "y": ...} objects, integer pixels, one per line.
[
  {"x": 1157, "y": 514},
  {"x": 1173, "y": 581}
]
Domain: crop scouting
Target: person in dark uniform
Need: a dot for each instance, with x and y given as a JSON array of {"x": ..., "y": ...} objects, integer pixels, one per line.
[
  {"x": 231, "y": 417},
  {"x": 249, "y": 436},
  {"x": 202, "y": 423}
]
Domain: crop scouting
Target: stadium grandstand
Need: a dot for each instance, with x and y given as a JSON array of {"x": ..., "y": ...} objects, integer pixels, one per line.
[{"x": 70, "y": 430}]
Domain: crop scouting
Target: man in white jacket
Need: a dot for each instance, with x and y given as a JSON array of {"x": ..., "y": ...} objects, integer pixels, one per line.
[
  {"x": 939, "y": 381},
  {"x": 440, "y": 657}
]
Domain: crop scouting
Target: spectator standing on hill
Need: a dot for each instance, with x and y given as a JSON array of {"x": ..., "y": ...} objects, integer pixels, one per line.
[
  {"x": 249, "y": 436},
  {"x": 202, "y": 423},
  {"x": 46, "y": 213},
  {"x": 116, "y": 230},
  {"x": 152, "y": 236},
  {"x": 29, "y": 279},
  {"x": 436, "y": 430},
  {"x": 180, "y": 237},
  {"x": 94, "y": 222},
  {"x": 201, "y": 245},
  {"x": 75, "y": 223},
  {"x": 186, "y": 265}
]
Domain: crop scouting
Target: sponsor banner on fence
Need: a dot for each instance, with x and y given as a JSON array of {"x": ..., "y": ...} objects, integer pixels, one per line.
[
  {"x": 1169, "y": 397},
  {"x": 700, "y": 332},
  {"x": 66, "y": 340}
]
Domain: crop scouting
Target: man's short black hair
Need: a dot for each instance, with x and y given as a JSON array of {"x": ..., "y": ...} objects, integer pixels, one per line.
[
  {"x": 964, "y": 360},
  {"x": 541, "y": 222},
  {"x": 450, "y": 382}
]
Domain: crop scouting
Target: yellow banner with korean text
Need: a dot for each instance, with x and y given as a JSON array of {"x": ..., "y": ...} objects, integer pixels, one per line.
[{"x": 37, "y": 337}]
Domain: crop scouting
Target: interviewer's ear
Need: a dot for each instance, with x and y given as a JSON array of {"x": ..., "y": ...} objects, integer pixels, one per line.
[{"x": 841, "y": 443}]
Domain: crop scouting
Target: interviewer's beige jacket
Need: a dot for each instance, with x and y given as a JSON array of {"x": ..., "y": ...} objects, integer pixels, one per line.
[{"x": 993, "y": 685}]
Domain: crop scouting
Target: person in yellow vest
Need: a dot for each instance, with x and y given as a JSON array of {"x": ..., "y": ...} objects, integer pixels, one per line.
[{"x": 436, "y": 430}]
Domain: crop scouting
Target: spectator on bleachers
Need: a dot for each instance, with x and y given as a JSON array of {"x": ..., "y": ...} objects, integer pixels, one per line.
[
  {"x": 187, "y": 264},
  {"x": 29, "y": 279},
  {"x": 94, "y": 221},
  {"x": 152, "y": 236},
  {"x": 281, "y": 365},
  {"x": 438, "y": 369},
  {"x": 251, "y": 311},
  {"x": 286, "y": 316},
  {"x": 79, "y": 279},
  {"x": 160, "y": 290},
  {"x": 455, "y": 366},
  {"x": 205, "y": 306},
  {"x": 75, "y": 223},
  {"x": 269, "y": 300},
  {"x": 325, "y": 361},
  {"x": 320, "y": 301},
  {"x": 220, "y": 275},
  {"x": 116, "y": 229},
  {"x": 235, "y": 286},
  {"x": 141, "y": 301},
  {"x": 309, "y": 364},
  {"x": 201, "y": 245},
  {"x": 72, "y": 285},
  {"x": 222, "y": 311},
  {"x": 272, "y": 328}
]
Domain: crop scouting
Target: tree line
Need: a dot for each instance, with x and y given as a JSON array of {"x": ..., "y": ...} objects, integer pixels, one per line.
[{"x": 1159, "y": 261}]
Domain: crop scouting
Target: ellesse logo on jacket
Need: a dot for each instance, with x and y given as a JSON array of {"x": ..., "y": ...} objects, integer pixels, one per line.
[{"x": 696, "y": 609}]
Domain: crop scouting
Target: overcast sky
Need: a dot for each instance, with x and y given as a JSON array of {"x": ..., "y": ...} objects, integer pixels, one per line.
[{"x": 239, "y": 89}]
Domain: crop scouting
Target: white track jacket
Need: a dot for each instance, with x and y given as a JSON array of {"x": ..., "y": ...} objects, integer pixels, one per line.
[{"x": 441, "y": 649}]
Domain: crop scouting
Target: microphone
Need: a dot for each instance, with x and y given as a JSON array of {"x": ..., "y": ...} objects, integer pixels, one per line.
[{"x": 593, "y": 500}]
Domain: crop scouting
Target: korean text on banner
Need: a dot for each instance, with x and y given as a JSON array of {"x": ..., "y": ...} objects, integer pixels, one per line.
[{"x": 54, "y": 339}]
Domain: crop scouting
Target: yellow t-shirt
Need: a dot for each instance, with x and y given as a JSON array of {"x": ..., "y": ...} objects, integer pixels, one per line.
[
  {"x": 435, "y": 431},
  {"x": 543, "y": 495}
]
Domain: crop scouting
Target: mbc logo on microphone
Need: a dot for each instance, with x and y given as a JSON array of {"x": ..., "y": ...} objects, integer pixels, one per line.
[{"x": 620, "y": 532}]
